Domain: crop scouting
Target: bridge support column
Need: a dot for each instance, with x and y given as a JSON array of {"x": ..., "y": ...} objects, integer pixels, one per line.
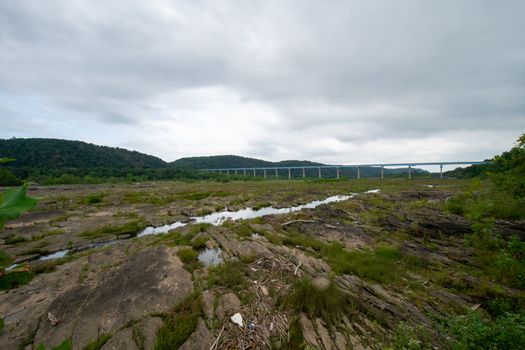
[
  {"x": 276, "y": 174},
  {"x": 244, "y": 172},
  {"x": 304, "y": 173},
  {"x": 337, "y": 172},
  {"x": 319, "y": 172},
  {"x": 358, "y": 173},
  {"x": 440, "y": 171},
  {"x": 382, "y": 172},
  {"x": 253, "y": 172},
  {"x": 235, "y": 172},
  {"x": 289, "y": 173},
  {"x": 228, "y": 171},
  {"x": 409, "y": 171},
  {"x": 264, "y": 173}
]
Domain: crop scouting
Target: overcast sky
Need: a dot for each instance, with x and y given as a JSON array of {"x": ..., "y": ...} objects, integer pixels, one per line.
[{"x": 329, "y": 81}]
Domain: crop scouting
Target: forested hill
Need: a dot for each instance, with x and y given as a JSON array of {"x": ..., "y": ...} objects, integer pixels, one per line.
[
  {"x": 59, "y": 154},
  {"x": 231, "y": 161}
]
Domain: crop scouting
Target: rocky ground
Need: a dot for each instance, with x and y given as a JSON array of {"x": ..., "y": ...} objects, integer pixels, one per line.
[{"x": 356, "y": 274}]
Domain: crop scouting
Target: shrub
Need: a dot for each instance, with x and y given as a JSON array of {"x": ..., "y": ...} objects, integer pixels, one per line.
[{"x": 472, "y": 332}]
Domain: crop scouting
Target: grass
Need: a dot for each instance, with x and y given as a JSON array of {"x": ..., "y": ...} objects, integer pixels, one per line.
[
  {"x": 67, "y": 344},
  {"x": 190, "y": 259},
  {"x": 127, "y": 228},
  {"x": 138, "y": 335},
  {"x": 98, "y": 343},
  {"x": 328, "y": 304},
  {"x": 15, "y": 279},
  {"x": 230, "y": 274},
  {"x": 384, "y": 264},
  {"x": 15, "y": 240},
  {"x": 180, "y": 323},
  {"x": 472, "y": 331},
  {"x": 94, "y": 198}
]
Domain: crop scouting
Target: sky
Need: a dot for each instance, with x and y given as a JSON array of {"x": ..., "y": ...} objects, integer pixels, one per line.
[{"x": 339, "y": 82}]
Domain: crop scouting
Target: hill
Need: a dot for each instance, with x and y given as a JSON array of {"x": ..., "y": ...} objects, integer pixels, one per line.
[
  {"x": 232, "y": 161},
  {"x": 60, "y": 154}
]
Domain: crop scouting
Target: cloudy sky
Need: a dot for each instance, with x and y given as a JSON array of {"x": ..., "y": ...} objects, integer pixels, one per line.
[{"x": 330, "y": 81}]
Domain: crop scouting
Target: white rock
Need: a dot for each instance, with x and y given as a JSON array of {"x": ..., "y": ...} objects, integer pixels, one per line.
[{"x": 237, "y": 319}]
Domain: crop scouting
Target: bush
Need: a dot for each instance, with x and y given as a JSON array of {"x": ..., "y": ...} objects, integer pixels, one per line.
[
  {"x": 472, "y": 332},
  {"x": 7, "y": 178}
]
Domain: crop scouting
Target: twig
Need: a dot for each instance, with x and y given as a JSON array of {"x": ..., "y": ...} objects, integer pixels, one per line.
[{"x": 217, "y": 340}]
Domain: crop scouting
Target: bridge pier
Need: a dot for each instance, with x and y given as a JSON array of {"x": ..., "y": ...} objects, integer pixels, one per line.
[
  {"x": 244, "y": 172},
  {"x": 254, "y": 173},
  {"x": 235, "y": 171},
  {"x": 276, "y": 174},
  {"x": 337, "y": 172},
  {"x": 382, "y": 172},
  {"x": 319, "y": 172},
  {"x": 304, "y": 173},
  {"x": 440, "y": 171},
  {"x": 289, "y": 173},
  {"x": 264, "y": 170},
  {"x": 358, "y": 173},
  {"x": 228, "y": 171},
  {"x": 409, "y": 172}
]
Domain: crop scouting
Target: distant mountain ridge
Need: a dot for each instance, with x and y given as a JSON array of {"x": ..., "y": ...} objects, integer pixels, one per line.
[
  {"x": 58, "y": 154},
  {"x": 232, "y": 161}
]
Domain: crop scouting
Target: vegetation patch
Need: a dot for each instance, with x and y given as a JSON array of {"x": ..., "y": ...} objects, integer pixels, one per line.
[
  {"x": 180, "y": 323},
  {"x": 329, "y": 304},
  {"x": 471, "y": 331},
  {"x": 67, "y": 344},
  {"x": 94, "y": 198},
  {"x": 15, "y": 279},
  {"x": 98, "y": 343},
  {"x": 190, "y": 259},
  {"x": 230, "y": 274},
  {"x": 128, "y": 228}
]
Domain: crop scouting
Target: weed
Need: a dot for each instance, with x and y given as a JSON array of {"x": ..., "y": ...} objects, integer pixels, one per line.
[
  {"x": 471, "y": 331},
  {"x": 180, "y": 323},
  {"x": 329, "y": 304},
  {"x": 65, "y": 345},
  {"x": 190, "y": 259},
  {"x": 199, "y": 242},
  {"x": 231, "y": 275},
  {"x": 138, "y": 335},
  {"x": 130, "y": 227},
  {"x": 15, "y": 240},
  {"x": 15, "y": 279},
  {"x": 94, "y": 198},
  {"x": 98, "y": 343},
  {"x": 198, "y": 228}
]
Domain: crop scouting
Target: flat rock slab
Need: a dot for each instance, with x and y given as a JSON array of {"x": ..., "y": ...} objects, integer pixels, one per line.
[{"x": 152, "y": 282}]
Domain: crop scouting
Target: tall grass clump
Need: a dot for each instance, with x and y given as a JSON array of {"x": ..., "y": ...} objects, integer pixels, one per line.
[
  {"x": 179, "y": 323},
  {"x": 329, "y": 304}
]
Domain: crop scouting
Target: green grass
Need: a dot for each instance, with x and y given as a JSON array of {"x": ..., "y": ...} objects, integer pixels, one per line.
[
  {"x": 190, "y": 259},
  {"x": 67, "y": 344},
  {"x": 98, "y": 343},
  {"x": 15, "y": 279},
  {"x": 94, "y": 198},
  {"x": 230, "y": 274},
  {"x": 200, "y": 227},
  {"x": 328, "y": 304},
  {"x": 179, "y": 323},
  {"x": 127, "y": 228},
  {"x": 384, "y": 264},
  {"x": 15, "y": 240},
  {"x": 472, "y": 331}
]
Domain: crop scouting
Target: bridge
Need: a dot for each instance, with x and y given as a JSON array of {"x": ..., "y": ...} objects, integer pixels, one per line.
[{"x": 338, "y": 168}]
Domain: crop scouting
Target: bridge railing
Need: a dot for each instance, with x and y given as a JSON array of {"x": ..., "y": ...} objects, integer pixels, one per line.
[{"x": 257, "y": 170}]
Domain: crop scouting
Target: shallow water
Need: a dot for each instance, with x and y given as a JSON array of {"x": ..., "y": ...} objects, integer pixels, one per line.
[{"x": 209, "y": 256}]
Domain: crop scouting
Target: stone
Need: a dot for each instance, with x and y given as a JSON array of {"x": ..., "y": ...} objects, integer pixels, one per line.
[
  {"x": 227, "y": 304},
  {"x": 202, "y": 338}
]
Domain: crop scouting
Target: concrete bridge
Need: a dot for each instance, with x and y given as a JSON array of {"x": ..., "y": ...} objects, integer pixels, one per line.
[{"x": 319, "y": 168}]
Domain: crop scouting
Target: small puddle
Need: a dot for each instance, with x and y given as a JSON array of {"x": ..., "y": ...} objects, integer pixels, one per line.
[{"x": 210, "y": 257}]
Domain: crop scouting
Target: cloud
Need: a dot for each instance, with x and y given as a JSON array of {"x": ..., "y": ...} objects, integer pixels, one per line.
[{"x": 341, "y": 81}]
